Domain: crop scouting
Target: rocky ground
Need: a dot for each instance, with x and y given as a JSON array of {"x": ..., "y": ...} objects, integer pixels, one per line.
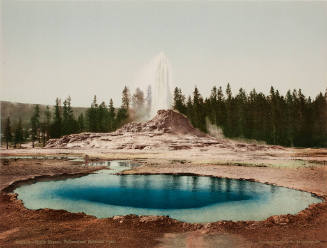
[{"x": 166, "y": 144}]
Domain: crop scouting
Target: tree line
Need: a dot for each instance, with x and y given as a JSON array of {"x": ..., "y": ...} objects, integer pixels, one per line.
[
  {"x": 289, "y": 120},
  {"x": 61, "y": 121}
]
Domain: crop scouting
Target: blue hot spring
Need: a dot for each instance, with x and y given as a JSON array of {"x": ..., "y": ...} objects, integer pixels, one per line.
[{"x": 186, "y": 198}]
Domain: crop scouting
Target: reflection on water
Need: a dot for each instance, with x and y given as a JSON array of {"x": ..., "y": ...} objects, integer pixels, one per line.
[{"x": 187, "y": 198}]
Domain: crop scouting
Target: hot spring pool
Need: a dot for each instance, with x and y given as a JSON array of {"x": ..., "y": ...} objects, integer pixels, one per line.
[{"x": 186, "y": 198}]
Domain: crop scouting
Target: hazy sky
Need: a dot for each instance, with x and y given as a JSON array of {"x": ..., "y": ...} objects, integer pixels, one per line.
[{"x": 80, "y": 48}]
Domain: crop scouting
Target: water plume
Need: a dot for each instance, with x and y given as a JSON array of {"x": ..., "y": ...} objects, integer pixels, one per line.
[{"x": 156, "y": 78}]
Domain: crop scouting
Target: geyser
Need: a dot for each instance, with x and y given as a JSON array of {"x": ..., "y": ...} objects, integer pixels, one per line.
[
  {"x": 161, "y": 91},
  {"x": 157, "y": 75}
]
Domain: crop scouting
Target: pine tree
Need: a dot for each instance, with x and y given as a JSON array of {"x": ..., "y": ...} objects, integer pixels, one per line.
[
  {"x": 43, "y": 132},
  {"x": 241, "y": 113},
  {"x": 189, "y": 109},
  {"x": 102, "y": 118},
  {"x": 111, "y": 116},
  {"x": 7, "y": 132},
  {"x": 179, "y": 101},
  {"x": 81, "y": 123},
  {"x": 122, "y": 113},
  {"x": 212, "y": 105},
  {"x": 197, "y": 113},
  {"x": 290, "y": 126},
  {"x": 47, "y": 123},
  {"x": 65, "y": 119},
  {"x": 253, "y": 120},
  {"x": 126, "y": 98},
  {"x": 122, "y": 116},
  {"x": 35, "y": 125},
  {"x": 220, "y": 109},
  {"x": 25, "y": 134},
  {"x": 273, "y": 113},
  {"x": 69, "y": 124},
  {"x": 229, "y": 112},
  {"x": 18, "y": 134},
  {"x": 56, "y": 126},
  {"x": 92, "y": 116}
]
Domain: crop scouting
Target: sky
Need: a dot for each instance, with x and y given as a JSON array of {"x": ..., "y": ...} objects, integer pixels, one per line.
[{"x": 83, "y": 48}]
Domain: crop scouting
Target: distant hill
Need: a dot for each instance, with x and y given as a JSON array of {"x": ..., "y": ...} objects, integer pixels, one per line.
[{"x": 25, "y": 110}]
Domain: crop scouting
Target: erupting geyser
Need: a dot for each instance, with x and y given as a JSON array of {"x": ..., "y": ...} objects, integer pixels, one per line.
[
  {"x": 161, "y": 89},
  {"x": 157, "y": 75}
]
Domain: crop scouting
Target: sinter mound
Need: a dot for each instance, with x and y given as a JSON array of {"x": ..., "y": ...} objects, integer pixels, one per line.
[
  {"x": 166, "y": 121},
  {"x": 167, "y": 130}
]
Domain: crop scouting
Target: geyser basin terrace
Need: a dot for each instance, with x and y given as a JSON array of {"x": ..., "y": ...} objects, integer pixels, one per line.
[{"x": 186, "y": 198}]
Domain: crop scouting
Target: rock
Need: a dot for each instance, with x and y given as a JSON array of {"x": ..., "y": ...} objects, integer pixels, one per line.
[
  {"x": 147, "y": 219},
  {"x": 119, "y": 219},
  {"x": 279, "y": 219}
]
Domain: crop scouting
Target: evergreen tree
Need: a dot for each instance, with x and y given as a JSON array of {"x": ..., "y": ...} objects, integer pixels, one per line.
[
  {"x": 290, "y": 121},
  {"x": 43, "y": 132},
  {"x": 25, "y": 134},
  {"x": 212, "y": 106},
  {"x": 69, "y": 124},
  {"x": 47, "y": 123},
  {"x": 92, "y": 116},
  {"x": 56, "y": 126},
  {"x": 253, "y": 120},
  {"x": 196, "y": 108},
  {"x": 273, "y": 118},
  {"x": 189, "y": 109},
  {"x": 220, "y": 108},
  {"x": 126, "y": 98},
  {"x": 7, "y": 132},
  {"x": 122, "y": 116},
  {"x": 179, "y": 101},
  {"x": 319, "y": 130},
  {"x": 35, "y": 125},
  {"x": 65, "y": 118},
  {"x": 102, "y": 118},
  {"x": 229, "y": 110},
  {"x": 111, "y": 116},
  {"x": 18, "y": 133},
  {"x": 241, "y": 114},
  {"x": 81, "y": 123}
]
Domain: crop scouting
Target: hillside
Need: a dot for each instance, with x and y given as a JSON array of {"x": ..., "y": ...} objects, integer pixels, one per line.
[{"x": 25, "y": 111}]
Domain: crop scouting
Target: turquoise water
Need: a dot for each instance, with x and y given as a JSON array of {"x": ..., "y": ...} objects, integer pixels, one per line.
[{"x": 186, "y": 198}]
